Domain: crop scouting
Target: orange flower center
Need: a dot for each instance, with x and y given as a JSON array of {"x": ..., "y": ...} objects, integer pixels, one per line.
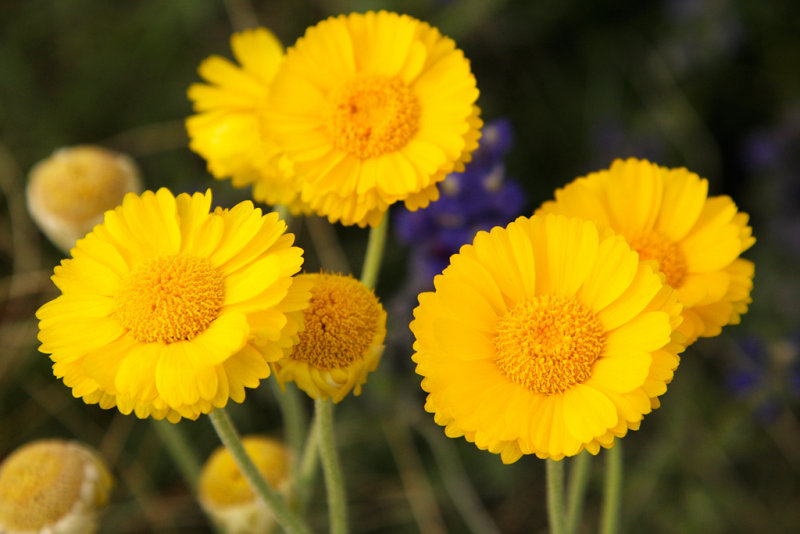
[
  {"x": 668, "y": 254},
  {"x": 340, "y": 322},
  {"x": 548, "y": 344},
  {"x": 39, "y": 484},
  {"x": 168, "y": 299},
  {"x": 372, "y": 115}
]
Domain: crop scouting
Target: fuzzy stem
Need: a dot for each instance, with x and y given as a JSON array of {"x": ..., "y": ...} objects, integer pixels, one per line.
[
  {"x": 334, "y": 483},
  {"x": 612, "y": 490},
  {"x": 179, "y": 449},
  {"x": 578, "y": 478},
  {"x": 292, "y": 414},
  {"x": 307, "y": 470},
  {"x": 374, "y": 254},
  {"x": 230, "y": 438},
  {"x": 555, "y": 495}
]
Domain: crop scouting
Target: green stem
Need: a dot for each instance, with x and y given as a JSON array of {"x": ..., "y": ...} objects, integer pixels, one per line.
[
  {"x": 292, "y": 414},
  {"x": 612, "y": 490},
  {"x": 179, "y": 449},
  {"x": 230, "y": 438},
  {"x": 555, "y": 495},
  {"x": 334, "y": 483},
  {"x": 308, "y": 467},
  {"x": 374, "y": 254},
  {"x": 578, "y": 478}
]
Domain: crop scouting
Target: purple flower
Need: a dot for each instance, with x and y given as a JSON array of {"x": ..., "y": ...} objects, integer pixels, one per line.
[
  {"x": 766, "y": 374},
  {"x": 477, "y": 199}
]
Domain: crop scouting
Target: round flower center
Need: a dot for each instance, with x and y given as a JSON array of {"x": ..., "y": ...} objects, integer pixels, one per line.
[
  {"x": 548, "y": 344},
  {"x": 168, "y": 299},
  {"x": 39, "y": 485},
  {"x": 81, "y": 183},
  {"x": 668, "y": 254},
  {"x": 372, "y": 115},
  {"x": 340, "y": 322}
]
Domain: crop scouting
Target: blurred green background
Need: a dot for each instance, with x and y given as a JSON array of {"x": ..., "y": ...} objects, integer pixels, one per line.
[{"x": 712, "y": 85}]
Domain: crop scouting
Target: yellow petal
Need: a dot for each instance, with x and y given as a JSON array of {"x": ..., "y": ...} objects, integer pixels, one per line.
[{"x": 587, "y": 412}]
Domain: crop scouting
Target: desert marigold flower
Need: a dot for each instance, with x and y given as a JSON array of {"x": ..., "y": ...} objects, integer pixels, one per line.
[
  {"x": 341, "y": 342},
  {"x": 545, "y": 337},
  {"x": 668, "y": 217},
  {"x": 225, "y": 493},
  {"x": 373, "y": 109},
  {"x": 168, "y": 310},
  {"x": 52, "y": 487},
  {"x": 69, "y": 191},
  {"x": 227, "y": 130}
]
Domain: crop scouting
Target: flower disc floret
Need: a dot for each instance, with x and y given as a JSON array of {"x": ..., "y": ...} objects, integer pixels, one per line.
[
  {"x": 373, "y": 109},
  {"x": 372, "y": 115},
  {"x": 546, "y": 337},
  {"x": 548, "y": 344},
  {"x": 342, "y": 338},
  {"x": 667, "y": 217},
  {"x": 169, "y": 310},
  {"x": 169, "y": 299}
]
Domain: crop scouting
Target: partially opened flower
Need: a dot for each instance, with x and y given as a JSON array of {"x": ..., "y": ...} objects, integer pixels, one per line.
[
  {"x": 52, "y": 487},
  {"x": 68, "y": 192},
  {"x": 226, "y": 495},
  {"x": 168, "y": 310},
  {"x": 342, "y": 339},
  {"x": 227, "y": 129},
  {"x": 546, "y": 337},
  {"x": 373, "y": 109},
  {"x": 667, "y": 216}
]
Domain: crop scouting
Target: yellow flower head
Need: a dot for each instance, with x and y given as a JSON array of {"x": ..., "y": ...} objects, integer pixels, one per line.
[
  {"x": 226, "y": 495},
  {"x": 341, "y": 342},
  {"x": 373, "y": 109},
  {"x": 667, "y": 216},
  {"x": 227, "y": 130},
  {"x": 545, "y": 337},
  {"x": 52, "y": 486},
  {"x": 168, "y": 310},
  {"x": 68, "y": 192}
]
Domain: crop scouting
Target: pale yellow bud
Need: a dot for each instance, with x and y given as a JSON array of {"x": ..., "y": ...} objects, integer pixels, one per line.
[
  {"x": 226, "y": 495},
  {"x": 69, "y": 192},
  {"x": 52, "y": 487}
]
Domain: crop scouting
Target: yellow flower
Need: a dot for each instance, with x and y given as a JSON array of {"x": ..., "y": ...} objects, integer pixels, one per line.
[
  {"x": 341, "y": 342},
  {"x": 52, "y": 486},
  {"x": 168, "y": 310},
  {"x": 373, "y": 109},
  {"x": 667, "y": 216},
  {"x": 545, "y": 337},
  {"x": 226, "y": 495},
  {"x": 227, "y": 130},
  {"x": 68, "y": 192}
]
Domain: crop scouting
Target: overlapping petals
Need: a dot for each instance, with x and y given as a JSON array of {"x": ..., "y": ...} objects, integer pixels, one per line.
[
  {"x": 104, "y": 339},
  {"x": 538, "y": 404}
]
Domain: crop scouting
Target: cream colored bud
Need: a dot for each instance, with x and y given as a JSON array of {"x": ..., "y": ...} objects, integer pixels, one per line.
[
  {"x": 69, "y": 192},
  {"x": 52, "y": 487},
  {"x": 226, "y": 495}
]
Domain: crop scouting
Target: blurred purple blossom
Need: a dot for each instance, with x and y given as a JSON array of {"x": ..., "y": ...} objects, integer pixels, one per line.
[
  {"x": 477, "y": 199},
  {"x": 766, "y": 374}
]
